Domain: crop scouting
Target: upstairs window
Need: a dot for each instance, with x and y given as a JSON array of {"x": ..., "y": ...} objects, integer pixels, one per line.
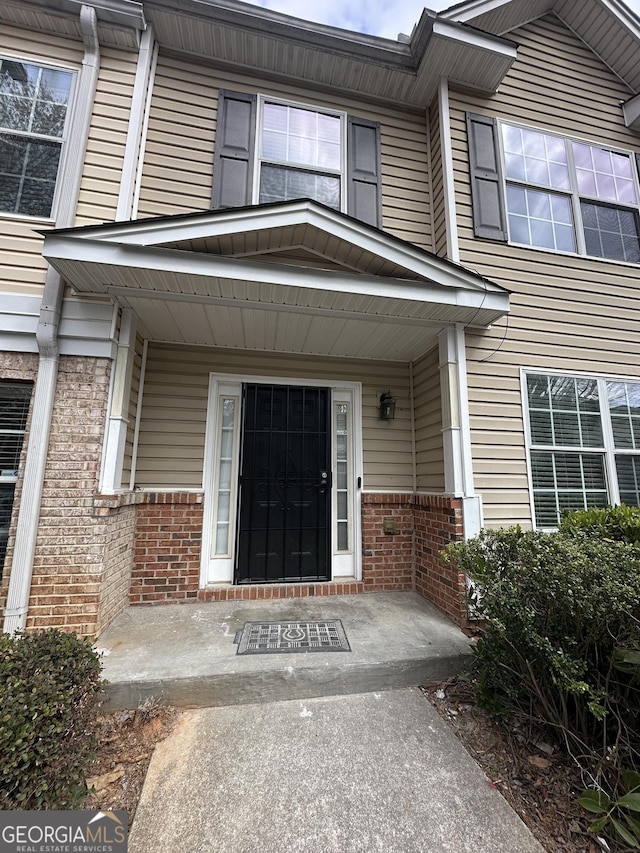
[
  {"x": 548, "y": 191},
  {"x": 34, "y": 103},
  {"x": 570, "y": 196},
  {"x": 269, "y": 151},
  {"x": 300, "y": 155},
  {"x": 584, "y": 443}
]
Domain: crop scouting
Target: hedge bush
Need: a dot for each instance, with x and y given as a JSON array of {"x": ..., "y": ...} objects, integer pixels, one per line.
[
  {"x": 558, "y": 612},
  {"x": 49, "y": 698},
  {"x": 618, "y": 523}
]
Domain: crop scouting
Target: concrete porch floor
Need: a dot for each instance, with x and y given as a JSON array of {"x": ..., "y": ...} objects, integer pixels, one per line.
[{"x": 185, "y": 654}]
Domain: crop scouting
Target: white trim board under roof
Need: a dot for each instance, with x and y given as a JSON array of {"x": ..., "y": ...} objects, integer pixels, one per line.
[
  {"x": 608, "y": 27},
  {"x": 370, "y": 296},
  {"x": 120, "y": 22},
  {"x": 240, "y": 36}
]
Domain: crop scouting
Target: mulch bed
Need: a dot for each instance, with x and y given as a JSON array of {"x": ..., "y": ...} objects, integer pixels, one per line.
[{"x": 537, "y": 778}]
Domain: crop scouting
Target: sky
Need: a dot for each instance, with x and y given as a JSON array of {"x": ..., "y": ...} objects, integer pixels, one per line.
[{"x": 375, "y": 17}]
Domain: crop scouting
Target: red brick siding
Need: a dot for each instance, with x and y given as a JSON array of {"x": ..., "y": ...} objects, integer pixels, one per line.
[
  {"x": 118, "y": 563},
  {"x": 168, "y": 539},
  {"x": 438, "y": 521},
  {"x": 387, "y": 559}
]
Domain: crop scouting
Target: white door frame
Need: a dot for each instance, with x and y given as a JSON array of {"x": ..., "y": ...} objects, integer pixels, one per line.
[{"x": 219, "y": 567}]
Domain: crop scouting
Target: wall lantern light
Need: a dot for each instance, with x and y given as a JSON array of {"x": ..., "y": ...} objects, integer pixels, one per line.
[{"x": 387, "y": 407}]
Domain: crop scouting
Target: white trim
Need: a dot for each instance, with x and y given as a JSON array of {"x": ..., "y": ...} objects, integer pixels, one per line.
[
  {"x": 221, "y": 570},
  {"x": 59, "y": 248},
  {"x": 155, "y": 232},
  {"x": 448, "y": 180},
  {"x": 490, "y": 42},
  {"x": 258, "y": 159},
  {"x": 137, "y": 125},
  {"x": 118, "y": 417},
  {"x": 607, "y": 450},
  {"x": 572, "y": 194},
  {"x": 136, "y": 430},
  {"x": 145, "y": 131}
]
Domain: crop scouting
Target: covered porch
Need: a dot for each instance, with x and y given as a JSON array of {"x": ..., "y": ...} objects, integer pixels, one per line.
[{"x": 278, "y": 298}]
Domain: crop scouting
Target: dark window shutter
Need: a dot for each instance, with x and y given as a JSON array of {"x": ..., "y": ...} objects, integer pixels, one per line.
[
  {"x": 363, "y": 175},
  {"x": 486, "y": 178},
  {"x": 235, "y": 138}
]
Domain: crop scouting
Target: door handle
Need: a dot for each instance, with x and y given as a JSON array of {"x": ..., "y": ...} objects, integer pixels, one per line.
[{"x": 325, "y": 476}]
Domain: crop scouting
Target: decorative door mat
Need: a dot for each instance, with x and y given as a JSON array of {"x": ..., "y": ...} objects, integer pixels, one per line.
[{"x": 270, "y": 638}]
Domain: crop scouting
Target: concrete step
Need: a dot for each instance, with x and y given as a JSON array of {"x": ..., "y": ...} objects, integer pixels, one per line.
[{"x": 185, "y": 654}]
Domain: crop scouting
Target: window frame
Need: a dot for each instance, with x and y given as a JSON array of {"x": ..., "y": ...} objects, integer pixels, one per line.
[
  {"x": 11, "y": 479},
  {"x": 62, "y": 140},
  {"x": 608, "y": 451},
  {"x": 572, "y": 193},
  {"x": 258, "y": 159}
]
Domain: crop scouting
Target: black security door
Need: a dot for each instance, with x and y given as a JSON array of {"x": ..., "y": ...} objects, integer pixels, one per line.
[{"x": 285, "y": 488}]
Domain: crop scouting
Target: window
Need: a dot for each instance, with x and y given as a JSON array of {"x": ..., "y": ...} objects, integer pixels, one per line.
[
  {"x": 33, "y": 113},
  {"x": 14, "y": 408},
  {"x": 569, "y": 196},
  {"x": 584, "y": 439},
  {"x": 270, "y": 151},
  {"x": 300, "y": 154}
]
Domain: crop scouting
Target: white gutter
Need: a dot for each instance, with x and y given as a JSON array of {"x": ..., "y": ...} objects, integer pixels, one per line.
[{"x": 15, "y": 613}]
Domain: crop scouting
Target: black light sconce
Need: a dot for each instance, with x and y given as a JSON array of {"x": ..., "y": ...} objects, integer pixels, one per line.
[{"x": 387, "y": 407}]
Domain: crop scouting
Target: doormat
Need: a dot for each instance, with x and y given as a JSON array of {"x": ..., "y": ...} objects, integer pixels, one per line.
[{"x": 270, "y": 638}]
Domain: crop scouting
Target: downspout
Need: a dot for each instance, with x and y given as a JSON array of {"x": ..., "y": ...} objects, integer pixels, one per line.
[{"x": 15, "y": 613}]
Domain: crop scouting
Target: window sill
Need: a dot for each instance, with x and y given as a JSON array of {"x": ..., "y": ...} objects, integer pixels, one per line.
[{"x": 23, "y": 217}]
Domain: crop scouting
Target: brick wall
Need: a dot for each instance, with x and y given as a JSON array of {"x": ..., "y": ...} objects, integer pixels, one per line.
[
  {"x": 168, "y": 539},
  {"x": 438, "y": 521},
  {"x": 119, "y": 534},
  {"x": 69, "y": 557},
  {"x": 387, "y": 558}
]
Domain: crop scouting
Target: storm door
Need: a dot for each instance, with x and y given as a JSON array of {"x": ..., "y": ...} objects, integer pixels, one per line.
[{"x": 285, "y": 485}]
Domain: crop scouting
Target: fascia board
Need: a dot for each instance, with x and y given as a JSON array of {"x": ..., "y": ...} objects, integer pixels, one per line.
[
  {"x": 67, "y": 249},
  {"x": 224, "y": 223},
  {"x": 631, "y": 112},
  {"x": 464, "y": 12},
  {"x": 120, "y": 13},
  {"x": 455, "y": 32}
]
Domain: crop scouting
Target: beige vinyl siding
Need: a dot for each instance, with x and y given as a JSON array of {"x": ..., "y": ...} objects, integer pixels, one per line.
[
  {"x": 567, "y": 312},
  {"x": 100, "y": 186},
  {"x": 174, "y": 408},
  {"x": 437, "y": 189},
  {"x": 428, "y": 423},
  {"x": 178, "y": 165},
  {"x": 22, "y": 267},
  {"x": 132, "y": 412}
]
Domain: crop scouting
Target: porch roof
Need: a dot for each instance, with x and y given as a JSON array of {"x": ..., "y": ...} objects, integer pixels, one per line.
[{"x": 291, "y": 277}]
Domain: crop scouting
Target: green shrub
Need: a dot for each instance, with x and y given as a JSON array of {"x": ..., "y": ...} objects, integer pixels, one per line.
[
  {"x": 49, "y": 696},
  {"x": 555, "y": 609},
  {"x": 618, "y": 523}
]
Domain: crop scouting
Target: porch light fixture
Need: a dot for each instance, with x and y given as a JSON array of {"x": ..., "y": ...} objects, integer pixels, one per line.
[{"x": 387, "y": 407}]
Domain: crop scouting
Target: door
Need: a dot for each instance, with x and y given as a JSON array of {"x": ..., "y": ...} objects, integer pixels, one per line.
[{"x": 285, "y": 485}]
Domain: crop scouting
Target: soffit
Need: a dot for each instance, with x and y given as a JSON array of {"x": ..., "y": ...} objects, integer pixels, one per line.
[
  {"x": 179, "y": 277},
  {"x": 609, "y": 28},
  {"x": 119, "y": 26},
  {"x": 278, "y": 46}
]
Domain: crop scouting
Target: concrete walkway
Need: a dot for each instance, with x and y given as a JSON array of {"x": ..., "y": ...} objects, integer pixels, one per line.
[
  {"x": 351, "y": 774},
  {"x": 185, "y": 653}
]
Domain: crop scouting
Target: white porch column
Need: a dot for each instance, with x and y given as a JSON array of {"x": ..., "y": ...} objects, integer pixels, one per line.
[
  {"x": 118, "y": 421},
  {"x": 456, "y": 432}
]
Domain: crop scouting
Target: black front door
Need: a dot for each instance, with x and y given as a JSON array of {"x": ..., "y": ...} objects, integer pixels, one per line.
[{"x": 285, "y": 485}]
